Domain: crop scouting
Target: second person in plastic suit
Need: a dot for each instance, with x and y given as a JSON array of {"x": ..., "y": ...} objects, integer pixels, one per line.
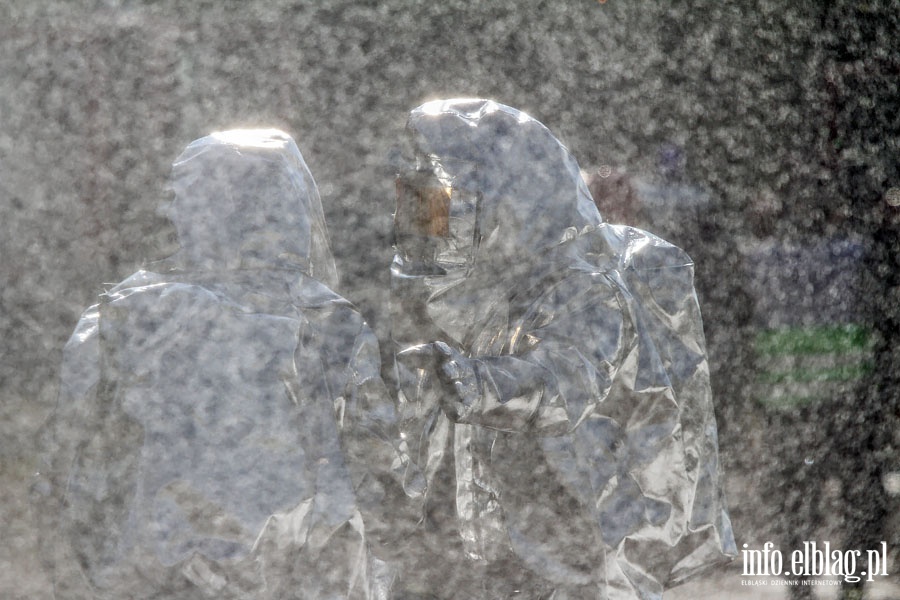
[
  {"x": 553, "y": 378},
  {"x": 219, "y": 412}
]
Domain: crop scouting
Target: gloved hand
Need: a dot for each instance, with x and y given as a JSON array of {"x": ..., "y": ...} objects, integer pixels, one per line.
[
  {"x": 459, "y": 379},
  {"x": 456, "y": 375}
]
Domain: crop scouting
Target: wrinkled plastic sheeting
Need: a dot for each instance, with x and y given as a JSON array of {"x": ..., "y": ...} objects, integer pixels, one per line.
[
  {"x": 214, "y": 410},
  {"x": 554, "y": 386}
]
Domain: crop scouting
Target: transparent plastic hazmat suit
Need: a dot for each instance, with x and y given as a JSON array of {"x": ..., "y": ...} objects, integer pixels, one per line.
[
  {"x": 217, "y": 414},
  {"x": 552, "y": 372}
]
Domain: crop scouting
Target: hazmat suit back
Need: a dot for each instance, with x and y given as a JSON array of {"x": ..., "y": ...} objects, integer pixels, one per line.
[
  {"x": 552, "y": 371},
  {"x": 217, "y": 413}
]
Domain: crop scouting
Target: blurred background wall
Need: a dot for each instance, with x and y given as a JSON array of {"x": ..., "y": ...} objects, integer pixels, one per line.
[{"x": 775, "y": 115}]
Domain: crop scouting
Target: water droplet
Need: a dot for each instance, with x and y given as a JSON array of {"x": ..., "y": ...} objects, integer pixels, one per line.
[{"x": 892, "y": 197}]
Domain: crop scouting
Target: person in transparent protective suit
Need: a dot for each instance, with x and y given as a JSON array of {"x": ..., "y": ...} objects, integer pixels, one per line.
[
  {"x": 219, "y": 414},
  {"x": 552, "y": 376}
]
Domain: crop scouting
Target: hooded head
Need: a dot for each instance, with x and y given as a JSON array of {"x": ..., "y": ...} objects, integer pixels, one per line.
[
  {"x": 245, "y": 199},
  {"x": 490, "y": 186}
]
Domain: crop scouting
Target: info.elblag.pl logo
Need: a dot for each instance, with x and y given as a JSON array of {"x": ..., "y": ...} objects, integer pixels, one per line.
[{"x": 814, "y": 560}]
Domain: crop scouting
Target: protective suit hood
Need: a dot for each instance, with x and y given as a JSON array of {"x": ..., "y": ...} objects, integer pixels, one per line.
[
  {"x": 245, "y": 199},
  {"x": 525, "y": 178}
]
